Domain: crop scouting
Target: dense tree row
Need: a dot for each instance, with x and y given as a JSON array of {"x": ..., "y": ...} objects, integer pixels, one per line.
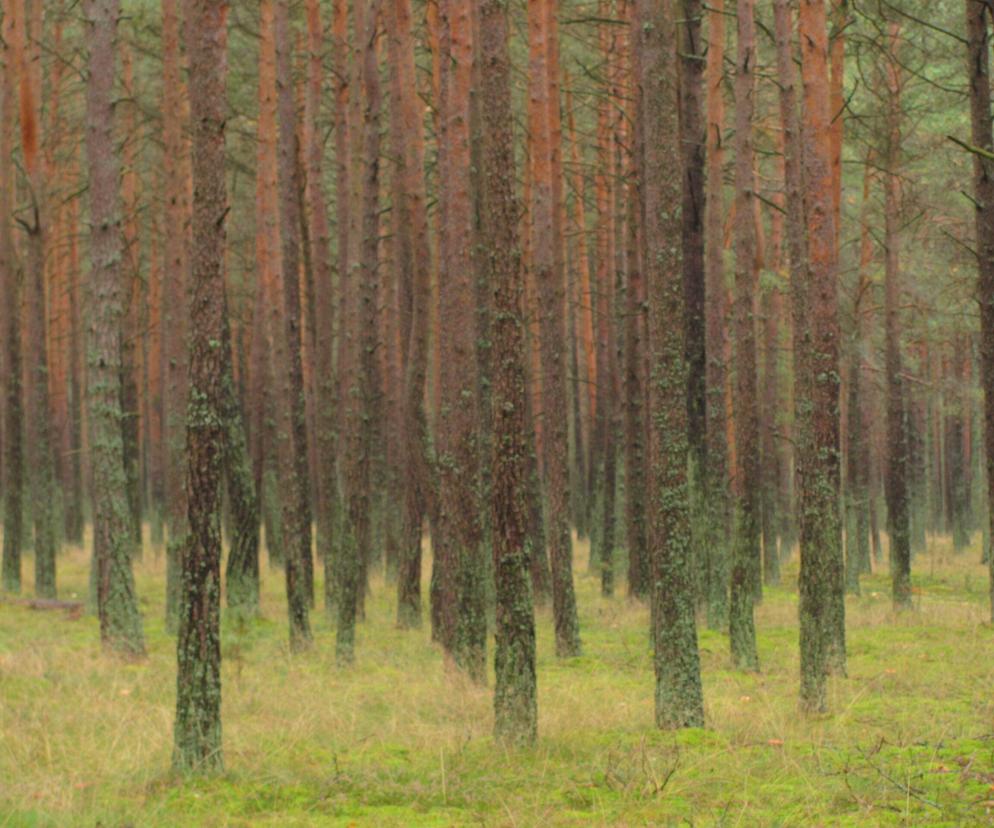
[{"x": 483, "y": 278}]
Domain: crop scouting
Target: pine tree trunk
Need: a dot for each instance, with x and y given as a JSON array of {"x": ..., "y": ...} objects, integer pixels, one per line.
[
  {"x": 295, "y": 474},
  {"x": 41, "y": 468},
  {"x": 515, "y": 703},
  {"x": 174, "y": 300},
  {"x": 543, "y": 120},
  {"x": 464, "y": 630},
  {"x": 676, "y": 659},
  {"x": 746, "y": 555},
  {"x": 113, "y": 527},
  {"x": 897, "y": 434},
  {"x": 816, "y": 329},
  {"x": 10, "y": 333},
  {"x": 419, "y": 493},
  {"x": 197, "y": 734},
  {"x": 717, "y": 482}
]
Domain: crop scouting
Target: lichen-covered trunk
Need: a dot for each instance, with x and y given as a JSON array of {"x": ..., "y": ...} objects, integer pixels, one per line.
[
  {"x": 113, "y": 530},
  {"x": 816, "y": 332},
  {"x": 676, "y": 659},
  {"x": 515, "y": 702},
  {"x": 464, "y": 629},
  {"x": 197, "y": 732}
]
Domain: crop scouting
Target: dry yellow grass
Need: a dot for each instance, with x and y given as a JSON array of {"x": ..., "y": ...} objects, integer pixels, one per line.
[{"x": 400, "y": 740}]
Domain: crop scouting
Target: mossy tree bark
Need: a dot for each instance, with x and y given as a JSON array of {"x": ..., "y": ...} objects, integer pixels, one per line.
[
  {"x": 113, "y": 528},
  {"x": 197, "y": 733},
  {"x": 459, "y": 462},
  {"x": 515, "y": 703},
  {"x": 817, "y": 376},
  {"x": 679, "y": 701}
]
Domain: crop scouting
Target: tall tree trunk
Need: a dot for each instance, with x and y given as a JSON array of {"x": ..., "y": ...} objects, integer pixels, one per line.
[
  {"x": 10, "y": 333},
  {"x": 419, "y": 494},
  {"x": 515, "y": 703},
  {"x": 465, "y": 630},
  {"x": 716, "y": 337},
  {"x": 746, "y": 557},
  {"x": 113, "y": 530},
  {"x": 197, "y": 733},
  {"x": 362, "y": 378},
  {"x": 897, "y": 435},
  {"x": 978, "y": 53},
  {"x": 295, "y": 476},
  {"x": 636, "y": 534},
  {"x": 27, "y": 55},
  {"x": 679, "y": 701},
  {"x": 693, "y": 140},
  {"x": 816, "y": 329},
  {"x": 543, "y": 121},
  {"x": 174, "y": 300},
  {"x": 328, "y": 505}
]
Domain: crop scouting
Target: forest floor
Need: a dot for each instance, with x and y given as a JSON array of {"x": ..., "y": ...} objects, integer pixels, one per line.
[{"x": 85, "y": 739}]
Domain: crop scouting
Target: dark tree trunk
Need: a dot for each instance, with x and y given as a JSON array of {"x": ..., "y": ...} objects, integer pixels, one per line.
[
  {"x": 197, "y": 734},
  {"x": 515, "y": 703},
  {"x": 679, "y": 701},
  {"x": 693, "y": 136},
  {"x": 896, "y": 481}
]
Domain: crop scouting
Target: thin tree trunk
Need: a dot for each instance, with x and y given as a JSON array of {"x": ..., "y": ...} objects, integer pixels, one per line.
[
  {"x": 543, "y": 120},
  {"x": 897, "y": 434},
  {"x": 10, "y": 334},
  {"x": 715, "y": 372},
  {"x": 295, "y": 476},
  {"x": 174, "y": 301},
  {"x": 27, "y": 55},
  {"x": 746, "y": 556}
]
